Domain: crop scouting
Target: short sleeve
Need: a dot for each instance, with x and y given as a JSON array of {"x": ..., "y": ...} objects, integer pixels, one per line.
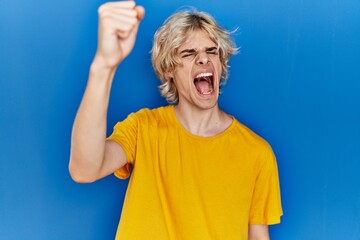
[
  {"x": 266, "y": 201},
  {"x": 125, "y": 134}
]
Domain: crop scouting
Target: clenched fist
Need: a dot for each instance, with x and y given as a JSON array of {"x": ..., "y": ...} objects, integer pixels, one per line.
[{"x": 118, "y": 26}]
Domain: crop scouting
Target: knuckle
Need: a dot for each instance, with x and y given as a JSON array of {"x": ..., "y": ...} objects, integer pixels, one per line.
[
  {"x": 131, "y": 4},
  {"x": 133, "y": 13},
  {"x": 101, "y": 9},
  {"x": 104, "y": 7}
]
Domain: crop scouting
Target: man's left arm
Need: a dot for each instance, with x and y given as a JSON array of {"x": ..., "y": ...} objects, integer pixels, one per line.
[{"x": 259, "y": 232}]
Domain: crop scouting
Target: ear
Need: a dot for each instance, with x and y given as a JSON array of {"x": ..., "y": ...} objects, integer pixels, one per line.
[{"x": 170, "y": 74}]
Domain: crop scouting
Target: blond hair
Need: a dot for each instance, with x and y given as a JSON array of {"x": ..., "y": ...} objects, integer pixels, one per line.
[{"x": 172, "y": 34}]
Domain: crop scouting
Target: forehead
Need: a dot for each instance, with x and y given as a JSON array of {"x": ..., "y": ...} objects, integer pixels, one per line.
[{"x": 197, "y": 39}]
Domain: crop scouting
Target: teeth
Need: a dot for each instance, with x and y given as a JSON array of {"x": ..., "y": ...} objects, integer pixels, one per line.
[
  {"x": 204, "y": 75},
  {"x": 207, "y": 93}
]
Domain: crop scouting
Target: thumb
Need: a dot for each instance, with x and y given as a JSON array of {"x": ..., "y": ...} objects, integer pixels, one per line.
[
  {"x": 140, "y": 12},
  {"x": 140, "y": 15}
]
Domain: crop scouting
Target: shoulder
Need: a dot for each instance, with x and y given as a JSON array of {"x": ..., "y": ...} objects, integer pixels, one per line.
[
  {"x": 251, "y": 139},
  {"x": 146, "y": 115},
  {"x": 256, "y": 146}
]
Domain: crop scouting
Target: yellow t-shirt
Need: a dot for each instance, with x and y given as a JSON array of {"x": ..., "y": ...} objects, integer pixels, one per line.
[{"x": 184, "y": 186}]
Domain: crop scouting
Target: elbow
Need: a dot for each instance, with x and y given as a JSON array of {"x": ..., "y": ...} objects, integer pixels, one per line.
[
  {"x": 80, "y": 179},
  {"x": 80, "y": 176}
]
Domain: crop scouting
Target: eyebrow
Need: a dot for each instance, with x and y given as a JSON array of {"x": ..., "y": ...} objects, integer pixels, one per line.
[
  {"x": 188, "y": 51},
  {"x": 193, "y": 50},
  {"x": 211, "y": 49}
]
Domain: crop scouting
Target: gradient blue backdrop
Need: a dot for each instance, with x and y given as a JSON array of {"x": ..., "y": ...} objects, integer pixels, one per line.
[{"x": 296, "y": 82}]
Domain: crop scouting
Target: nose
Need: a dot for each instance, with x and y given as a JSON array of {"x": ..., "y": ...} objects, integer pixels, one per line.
[{"x": 202, "y": 58}]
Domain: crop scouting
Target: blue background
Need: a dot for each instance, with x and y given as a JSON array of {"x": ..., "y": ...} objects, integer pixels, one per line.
[{"x": 296, "y": 83}]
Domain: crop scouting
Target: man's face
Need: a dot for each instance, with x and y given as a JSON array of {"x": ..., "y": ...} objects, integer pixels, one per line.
[{"x": 198, "y": 78}]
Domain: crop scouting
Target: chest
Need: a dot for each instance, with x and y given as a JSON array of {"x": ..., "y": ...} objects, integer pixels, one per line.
[{"x": 186, "y": 163}]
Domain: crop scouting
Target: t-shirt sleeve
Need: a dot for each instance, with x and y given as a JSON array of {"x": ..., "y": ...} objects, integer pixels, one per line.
[
  {"x": 125, "y": 134},
  {"x": 266, "y": 201}
]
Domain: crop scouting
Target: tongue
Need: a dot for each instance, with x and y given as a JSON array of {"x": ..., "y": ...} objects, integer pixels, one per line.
[{"x": 202, "y": 86}]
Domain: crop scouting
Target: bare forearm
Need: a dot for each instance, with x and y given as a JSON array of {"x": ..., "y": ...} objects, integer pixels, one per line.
[
  {"x": 89, "y": 129},
  {"x": 118, "y": 26},
  {"x": 259, "y": 238},
  {"x": 258, "y": 232}
]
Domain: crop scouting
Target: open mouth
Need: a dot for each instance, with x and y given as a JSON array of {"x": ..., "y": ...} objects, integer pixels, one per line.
[{"x": 204, "y": 83}]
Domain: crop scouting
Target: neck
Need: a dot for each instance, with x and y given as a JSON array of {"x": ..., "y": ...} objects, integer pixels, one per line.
[{"x": 203, "y": 122}]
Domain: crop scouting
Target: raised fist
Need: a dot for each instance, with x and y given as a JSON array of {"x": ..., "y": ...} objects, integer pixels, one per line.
[{"x": 118, "y": 26}]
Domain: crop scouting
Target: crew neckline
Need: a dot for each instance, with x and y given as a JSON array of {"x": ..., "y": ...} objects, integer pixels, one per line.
[{"x": 183, "y": 129}]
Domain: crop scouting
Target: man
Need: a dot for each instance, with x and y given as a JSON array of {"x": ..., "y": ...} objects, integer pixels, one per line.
[{"x": 197, "y": 173}]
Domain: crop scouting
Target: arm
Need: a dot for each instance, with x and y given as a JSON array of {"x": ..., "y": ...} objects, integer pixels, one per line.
[
  {"x": 92, "y": 157},
  {"x": 258, "y": 232}
]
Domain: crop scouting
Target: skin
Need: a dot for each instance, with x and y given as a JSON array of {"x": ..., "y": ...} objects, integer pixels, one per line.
[
  {"x": 92, "y": 157},
  {"x": 198, "y": 113}
]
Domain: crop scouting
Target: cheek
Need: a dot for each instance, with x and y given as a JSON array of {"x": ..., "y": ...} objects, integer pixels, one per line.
[
  {"x": 218, "y": 66},
  {"x": 185, "y": 72},
  {"x": 216, "y": 60},
  {"x": 183, "y": 79}
]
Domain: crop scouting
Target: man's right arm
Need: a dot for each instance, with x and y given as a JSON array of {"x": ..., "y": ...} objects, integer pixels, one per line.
[{"x": 92, "y": 157}]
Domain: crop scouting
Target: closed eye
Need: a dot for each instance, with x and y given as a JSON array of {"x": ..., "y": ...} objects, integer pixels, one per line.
[
  {"x": 192, "y": 52},
  {"x": 187, "y": 55},
  {"x": 213, "y": 50},
  {"x": 187, "y": 52}
]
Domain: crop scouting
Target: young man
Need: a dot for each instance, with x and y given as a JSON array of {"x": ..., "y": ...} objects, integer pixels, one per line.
[{"x": 197, "y": 172}]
